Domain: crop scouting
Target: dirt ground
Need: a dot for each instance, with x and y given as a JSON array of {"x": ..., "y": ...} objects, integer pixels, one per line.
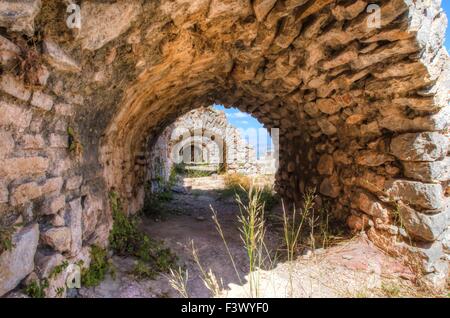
[{"x": 353, "y": 268}]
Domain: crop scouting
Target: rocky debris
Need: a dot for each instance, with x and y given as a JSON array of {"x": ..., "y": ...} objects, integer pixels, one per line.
[
  {"x": 16, "y": 264},
  {"x": 19, "y": 15}
]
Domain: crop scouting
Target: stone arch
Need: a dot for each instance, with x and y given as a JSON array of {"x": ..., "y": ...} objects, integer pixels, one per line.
[{"x": 363, "y": 110}]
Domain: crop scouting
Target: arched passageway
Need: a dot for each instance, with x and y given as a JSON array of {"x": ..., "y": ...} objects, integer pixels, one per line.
[{"x": 361, "y": 104}]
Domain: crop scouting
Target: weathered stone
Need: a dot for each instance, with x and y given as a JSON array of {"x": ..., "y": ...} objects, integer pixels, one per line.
[
  {"x": 325, "y": 165},
  {"x": 23, "y": 167},
  {"x": 369, "y": 205},
  {"x": 4, "y": 193},
  {"x": 59, "y": 141},
  {"x": 54, "y": 205},
  {"x": 282, "y": 63},
  {"x": 92, "y": 209},
  {"x": 42, "y": 100},
  {"x": 45, "y": 264},
  {"x": 355, "y": 119},
  {"x": 57, "y": 238},
  {"x": 75, "y": 224},
  {"x": 262, "y": 8},
  {"x": 13, "y": 115},
  {"x": 19, "y": 15},
  {"x": 58, "y": 220},
  {"x": 421, "y": 226},
  {"x": 42, "y": 75},
  {"x": 425, "y": 195},
  {"x": 14, "y": 87},
  {"x": 420, "y": 147},
  {"x": 52, "y": 186},
  {"x": 328, "y": 106},
  {"x": 104, "y": 22},
  {"x": 357, "y": 223},
  {"x": 330, "y": 187},
  {"x": 6, "y": 144},
  {"x": 349, "y": 12},
  {"x": 327, "y": 127},
  {"x": 74, "y": 183},
  {"x": 372, "y": 158},
  {"x": 16, "y": 264},
  {"x": 58, "y": 59},
  {"x": 64, "y": 109},
  {"x": 24, "y": 193},
  {"x": 342, "y": 157},
  {"x": 312, "y": 110},
  {"x": 436, "y": 171},
  {"x": 32, "y": 142},
  {"x": 9, "y": 53}
]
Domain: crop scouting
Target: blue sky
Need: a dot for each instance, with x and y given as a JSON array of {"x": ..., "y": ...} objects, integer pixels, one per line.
[
  {"x": 244, "y": 121},
  {"x": 446, "y": 6}
]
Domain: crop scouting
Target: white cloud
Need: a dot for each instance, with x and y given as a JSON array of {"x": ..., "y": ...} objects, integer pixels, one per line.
[{"x": 238, "y": 115}]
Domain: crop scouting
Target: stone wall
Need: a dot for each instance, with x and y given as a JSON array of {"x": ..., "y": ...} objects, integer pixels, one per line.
[
  {"x": 220, "y": 145},
  {"x": 363, "y": 112}
]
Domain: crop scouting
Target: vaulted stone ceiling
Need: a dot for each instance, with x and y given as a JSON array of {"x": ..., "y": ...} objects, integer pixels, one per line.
[{"x": 362, "y": 108}]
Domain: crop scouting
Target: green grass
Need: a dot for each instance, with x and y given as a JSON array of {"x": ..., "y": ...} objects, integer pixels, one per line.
[
  {"x": 143, "y": 271},
  {"x": 36, "y": 289},
  {"x": 6, "y": 234},
  {"x": 126, "y": 239},
  {"x": 100, "y": 266}
]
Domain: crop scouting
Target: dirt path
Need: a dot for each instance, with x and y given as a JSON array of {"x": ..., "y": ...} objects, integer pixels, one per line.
[{"x": 352, "y": 269}]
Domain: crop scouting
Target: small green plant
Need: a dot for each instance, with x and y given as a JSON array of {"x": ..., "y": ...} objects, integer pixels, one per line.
[
  {"x": 60, "y": 291},
  {"x": 99, "y": 267},
  {"x": 6, "y": 243},
  {"x": 75, "y": 147},
  {"x": 36, "y": 289},
  {"x": 126, "y": 239},
  {"x": 59, "y": 269},
  {"x": 142, "y": 271}
]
